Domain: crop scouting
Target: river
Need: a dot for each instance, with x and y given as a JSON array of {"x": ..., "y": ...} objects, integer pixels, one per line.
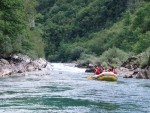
[{"x": 65, "y": 89}]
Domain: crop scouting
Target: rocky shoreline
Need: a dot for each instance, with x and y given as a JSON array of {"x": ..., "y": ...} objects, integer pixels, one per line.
[
  {"x": 131, "y": 68},
  {"x": 19, "y": 63}
]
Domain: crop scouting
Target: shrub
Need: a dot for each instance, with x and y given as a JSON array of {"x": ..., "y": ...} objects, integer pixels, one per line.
[
  {"x": 113, "y": 56},
  {"x": 143, "y": 43},
  {"x": 5, "y": 44},
  {"x": 145, "y": 58},
  {"x": 88, "y": 58}
]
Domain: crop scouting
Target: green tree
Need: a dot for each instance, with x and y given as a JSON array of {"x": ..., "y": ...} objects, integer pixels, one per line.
[{"x": 13, "y": 22}]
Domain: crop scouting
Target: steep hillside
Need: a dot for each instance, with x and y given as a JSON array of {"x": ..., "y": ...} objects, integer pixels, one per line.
[
  {"x": 68, "y": 30},
  {"x": 67, "y": 20},
  {"x": 76, "y": 28},
  {"x": 17, "y": 28}
]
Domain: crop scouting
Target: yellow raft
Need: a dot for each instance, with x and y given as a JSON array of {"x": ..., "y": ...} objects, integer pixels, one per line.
[{"x": 105, "y": 76}]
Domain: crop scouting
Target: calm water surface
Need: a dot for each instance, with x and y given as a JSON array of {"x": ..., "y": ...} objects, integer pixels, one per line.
[{"x": 65, "y": 89}]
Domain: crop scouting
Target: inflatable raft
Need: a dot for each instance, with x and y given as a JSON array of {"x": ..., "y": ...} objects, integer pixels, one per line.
[{"x": 105, "y": 76}]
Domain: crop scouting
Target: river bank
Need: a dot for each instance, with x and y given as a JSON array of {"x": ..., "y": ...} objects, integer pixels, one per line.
[
  {"x": 134, "y": 67},
  {"x": 19, "y": 63},
  {"x": 137, "y": 66}
]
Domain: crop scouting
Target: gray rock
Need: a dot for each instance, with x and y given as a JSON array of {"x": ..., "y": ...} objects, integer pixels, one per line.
[
  {"x": 144, "y": 73},
  {"x": 4, "y": 61},
  {"x": 30, "y": 68},
  {"x": 21, "y": 63}
]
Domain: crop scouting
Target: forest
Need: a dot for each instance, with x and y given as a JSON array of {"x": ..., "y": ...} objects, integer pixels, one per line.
[{"x": 75, "y": 30}]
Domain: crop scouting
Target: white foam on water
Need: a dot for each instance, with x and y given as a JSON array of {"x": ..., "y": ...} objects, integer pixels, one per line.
[{"x": 66, "y": 68}]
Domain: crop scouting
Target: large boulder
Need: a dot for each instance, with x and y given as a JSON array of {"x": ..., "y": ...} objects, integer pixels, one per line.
[
  {"x": 131, "y": 63},
  {"x": 144, "y": 73},
  {"x": 30, "y": 68},
  {"x": 40, "y": 63},
  {"x": 147, "y": 71},
  {"x": 140, "y": 65},
  {"x": 19, "y": 63},
  {"x": 125, "y": 72},
  {"x": 24, "y": 63},
  {"x": 4, "y": 61},
  {"x": 20, "y": 58}
]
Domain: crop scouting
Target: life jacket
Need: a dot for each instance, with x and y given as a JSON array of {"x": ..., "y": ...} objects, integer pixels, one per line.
[
  {"x": 98, "y": 71},
  {"x": 102, "y": 69},
  {"x": 109, "y": 70}
]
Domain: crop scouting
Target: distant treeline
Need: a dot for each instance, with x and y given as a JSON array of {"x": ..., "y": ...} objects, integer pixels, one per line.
[{"x": 69, "y": 30}]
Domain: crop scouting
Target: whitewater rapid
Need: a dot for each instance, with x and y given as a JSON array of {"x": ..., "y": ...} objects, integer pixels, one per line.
[{"x": 68, "y": 67}]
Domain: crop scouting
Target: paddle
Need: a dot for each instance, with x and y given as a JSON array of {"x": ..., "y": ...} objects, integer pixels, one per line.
[{"x": 90, "y": 77}]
